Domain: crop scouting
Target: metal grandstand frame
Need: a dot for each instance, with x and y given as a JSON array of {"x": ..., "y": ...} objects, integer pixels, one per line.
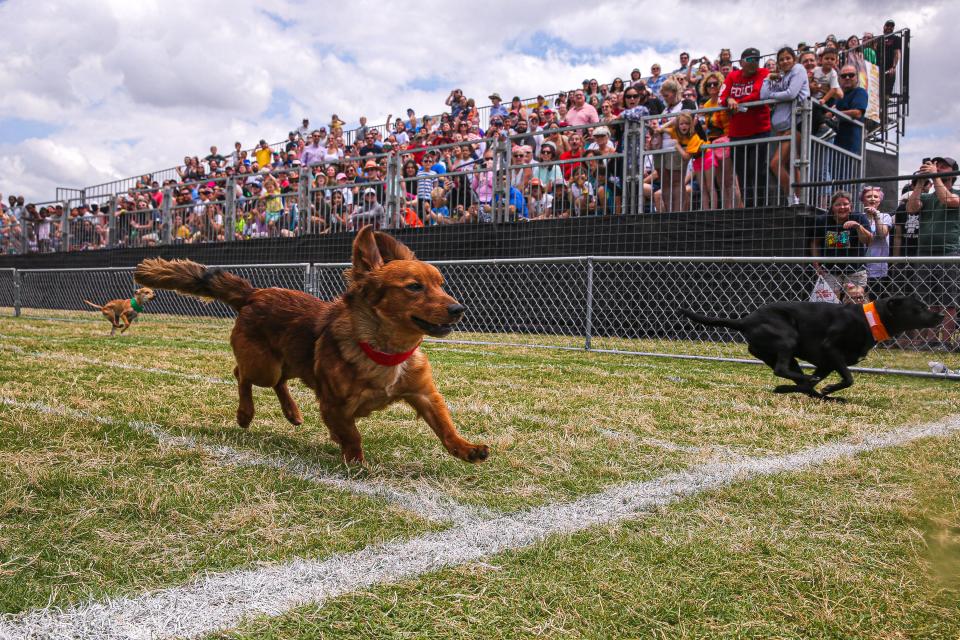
[{"x": 885, "y": 137}]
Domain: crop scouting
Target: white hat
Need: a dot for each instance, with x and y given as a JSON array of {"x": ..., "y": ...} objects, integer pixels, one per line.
[
  {"x": 368, "y": 191},
  {"x": 601, "y": 131}
]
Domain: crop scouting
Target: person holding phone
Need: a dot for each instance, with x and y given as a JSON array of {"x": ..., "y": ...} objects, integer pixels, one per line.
[{"x": 939, "y": 235}]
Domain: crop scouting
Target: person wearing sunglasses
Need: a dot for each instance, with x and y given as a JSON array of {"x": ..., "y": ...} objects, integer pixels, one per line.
[
  {"x": 853, "y": 104},
  {"x": 748, "y": 125}
]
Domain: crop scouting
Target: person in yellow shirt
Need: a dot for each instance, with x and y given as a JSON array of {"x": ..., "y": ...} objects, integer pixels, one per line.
[
  {"x": 688, "y": 142},
  {"x": 336, "y": 126},
  {"x": 263, "y": 154}
]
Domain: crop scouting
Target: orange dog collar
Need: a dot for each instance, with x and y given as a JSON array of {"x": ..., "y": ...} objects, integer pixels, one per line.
[
  {"x": 387, "y": 359},
  {"x": 876, "y": 325}
]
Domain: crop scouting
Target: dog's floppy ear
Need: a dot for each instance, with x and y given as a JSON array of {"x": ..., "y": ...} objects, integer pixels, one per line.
[
  {"x": 391, "y": 248},
  {"x": 366, "y": 253}
]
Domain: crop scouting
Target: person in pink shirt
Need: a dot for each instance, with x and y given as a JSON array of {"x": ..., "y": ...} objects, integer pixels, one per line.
[{"x": 581, "y": 113}]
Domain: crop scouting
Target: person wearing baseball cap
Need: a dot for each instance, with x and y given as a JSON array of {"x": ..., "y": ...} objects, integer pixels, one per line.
[
  {"x": 939, "y": 235},
  {"x": 369, "y": 212},
  {"x": 743, "y": 85}
]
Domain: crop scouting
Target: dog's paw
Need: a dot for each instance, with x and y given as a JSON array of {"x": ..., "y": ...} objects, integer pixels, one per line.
[
  {"x": 244, "y": 418},
  {"x": 473, "y": 452},
  {"x": 352, "y": 456}
]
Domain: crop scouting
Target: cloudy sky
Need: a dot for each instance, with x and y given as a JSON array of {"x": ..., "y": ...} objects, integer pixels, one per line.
[{"x": 94, "y": 91}]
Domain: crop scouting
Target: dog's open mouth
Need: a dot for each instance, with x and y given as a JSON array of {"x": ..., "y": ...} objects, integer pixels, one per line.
[{"x": 433, "y": 330}]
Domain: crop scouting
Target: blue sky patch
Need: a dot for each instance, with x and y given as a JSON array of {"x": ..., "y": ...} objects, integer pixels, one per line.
[
  {"x": 15, "y": 130},
  {"x": 539, "y": 44}
]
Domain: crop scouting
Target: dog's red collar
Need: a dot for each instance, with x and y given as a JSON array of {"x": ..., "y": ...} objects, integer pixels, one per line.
[
  {"x": 387, "y": 359},
  {"x": 876, "y": 324}
]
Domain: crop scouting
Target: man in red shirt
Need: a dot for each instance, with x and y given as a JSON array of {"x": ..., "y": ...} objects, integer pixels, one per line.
[
  {"x": 576, "y": 151},
  {"x": 753, "y": 123}
]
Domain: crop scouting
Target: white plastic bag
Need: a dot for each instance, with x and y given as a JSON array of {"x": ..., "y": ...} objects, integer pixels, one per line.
[{"x": 823, "y": 292}]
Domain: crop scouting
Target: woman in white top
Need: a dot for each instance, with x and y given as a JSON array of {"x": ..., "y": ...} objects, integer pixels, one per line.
[{"x": 333, "y": 153}]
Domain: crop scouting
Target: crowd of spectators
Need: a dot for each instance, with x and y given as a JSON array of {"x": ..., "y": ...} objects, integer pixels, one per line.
[{"x": 554, "y": 172}]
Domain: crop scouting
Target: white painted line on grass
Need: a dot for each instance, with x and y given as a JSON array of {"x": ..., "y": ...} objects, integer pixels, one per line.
[
  {"x": 220, "y": 601},
  {"x": 422, "y": 501}
]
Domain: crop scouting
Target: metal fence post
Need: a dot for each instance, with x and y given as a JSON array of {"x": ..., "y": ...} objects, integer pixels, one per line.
[
  {"x": 393, "y": 203},
  {"x": 166, "y": 220},
  {"x": 308, "y": 279},
  {"x": 501, "y": 157},
  {"x": 641, "y": 162},
  {"x": 16, "y": 293},
  {"x": 25, "y": 223},
  {"x": 303, "y": 200},
  {"x": 791, "y": 166},
  {"x": 230, "y": 215},
  {"x": 803, "y": 157},
  {"x": 588, "y": 310},
  {"x": 65, "y": 227},
  {"x": 632, "y": 176},
  {"x": 112, "y": 223}
]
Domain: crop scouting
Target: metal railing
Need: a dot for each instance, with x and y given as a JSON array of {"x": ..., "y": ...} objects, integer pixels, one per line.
[{"x": 547, "y": 174}]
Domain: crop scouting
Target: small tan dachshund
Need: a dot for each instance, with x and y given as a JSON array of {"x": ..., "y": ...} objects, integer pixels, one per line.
[{"x": 125, "y": 311}]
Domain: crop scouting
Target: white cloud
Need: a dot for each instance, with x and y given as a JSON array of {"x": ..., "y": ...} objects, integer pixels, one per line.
[{"x": 133, "y": 87}]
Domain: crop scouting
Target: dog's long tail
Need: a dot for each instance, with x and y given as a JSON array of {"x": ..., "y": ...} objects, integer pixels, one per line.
[
  {"x": 192, "y": 279},
  {"x": 95, "y": 306},
  {"x": 732, "y": 323}
]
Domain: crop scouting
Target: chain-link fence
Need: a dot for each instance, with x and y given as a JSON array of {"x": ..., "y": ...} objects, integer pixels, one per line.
[
  {"x": 8, "y": 292},
  {"x": 609, "y": 304},
  {"x": 62, "y": 292}
]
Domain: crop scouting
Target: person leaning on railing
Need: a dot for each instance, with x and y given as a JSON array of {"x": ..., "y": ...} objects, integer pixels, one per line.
[
  {"x": 939, "y": 236},
  {"x": 748, "y": 124},
  {"x": 788, "y": 86}
]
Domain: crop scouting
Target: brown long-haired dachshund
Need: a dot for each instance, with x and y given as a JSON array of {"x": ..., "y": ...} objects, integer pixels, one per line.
[
  {"x": 124, "y": 311},
  {"x": 359, "y": 353}
]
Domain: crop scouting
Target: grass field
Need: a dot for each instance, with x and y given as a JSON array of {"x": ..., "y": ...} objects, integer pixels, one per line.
[{"x": 624, "y": 497}]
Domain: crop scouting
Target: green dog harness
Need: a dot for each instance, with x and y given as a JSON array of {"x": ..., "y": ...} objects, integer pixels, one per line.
[{"x": 136, "y": 305}]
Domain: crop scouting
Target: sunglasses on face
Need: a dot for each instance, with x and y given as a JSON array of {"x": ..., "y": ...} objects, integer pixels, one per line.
[
  {"x": 848, "y": 75},
  {"x": 752, "y": 60},
  {"x": 711, "y": 85},
  {"x": 631, "y": 96}
]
